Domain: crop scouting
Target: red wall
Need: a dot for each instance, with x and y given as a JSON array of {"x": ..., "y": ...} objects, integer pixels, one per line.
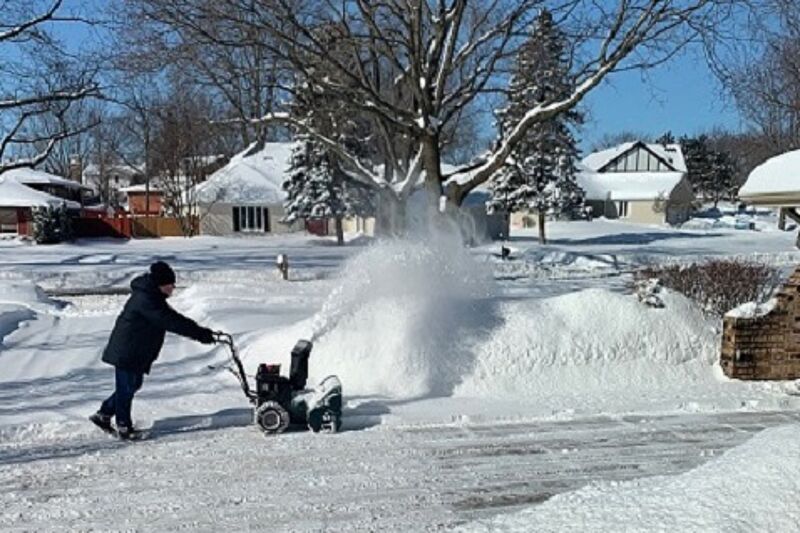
[{"x": 137, "y": 203}]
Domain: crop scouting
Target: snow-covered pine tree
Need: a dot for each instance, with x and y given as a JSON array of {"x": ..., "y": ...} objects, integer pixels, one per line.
[
  {"x": 51, "y": 224},
  {"x": 314, "y": 188},
  {"x": 541, "y": 172}
]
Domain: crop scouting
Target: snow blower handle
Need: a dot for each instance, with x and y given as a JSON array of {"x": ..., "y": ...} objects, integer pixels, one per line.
[{"x": 227, "y": 339}]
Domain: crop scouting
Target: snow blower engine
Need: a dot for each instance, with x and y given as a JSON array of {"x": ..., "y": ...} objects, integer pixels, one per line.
[{"x": 280, "y": 401}]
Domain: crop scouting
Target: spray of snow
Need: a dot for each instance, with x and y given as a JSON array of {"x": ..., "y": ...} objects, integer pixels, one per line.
[{"x": 400, "y": 321}]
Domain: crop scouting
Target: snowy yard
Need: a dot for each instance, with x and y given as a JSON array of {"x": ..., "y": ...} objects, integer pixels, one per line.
[{"x": 534, "y": 394}]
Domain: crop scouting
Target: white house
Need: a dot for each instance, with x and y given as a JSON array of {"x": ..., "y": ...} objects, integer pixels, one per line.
[
  {"x": 638, "y": 182},
  {"x": 246, "y": 195}
]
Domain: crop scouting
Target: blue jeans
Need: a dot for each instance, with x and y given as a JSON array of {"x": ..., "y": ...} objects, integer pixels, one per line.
[{"x": 119, "y": 403}]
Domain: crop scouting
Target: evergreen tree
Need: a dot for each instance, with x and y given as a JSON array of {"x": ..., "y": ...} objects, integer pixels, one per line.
[
  {"x": 666, "y": 138},
  {"x": 316, "y": 187},
  {"x": 541, "y": 171},
  {"x": 51, "y": 224},
  {"x": 712, "y": 173}
]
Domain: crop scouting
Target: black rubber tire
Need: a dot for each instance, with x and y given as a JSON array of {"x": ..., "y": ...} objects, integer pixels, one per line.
[{"x": 272, "y": 418}]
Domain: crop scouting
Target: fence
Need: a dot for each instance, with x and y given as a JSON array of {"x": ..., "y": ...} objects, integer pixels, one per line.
[{"x": 127, "y": 227}]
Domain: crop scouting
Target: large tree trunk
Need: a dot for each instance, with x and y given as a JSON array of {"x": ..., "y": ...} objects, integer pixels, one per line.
[
  {"x": 339, "y": 231},
  {"x": 390, "y": 219},
  {"x": 542, "y": 237}
]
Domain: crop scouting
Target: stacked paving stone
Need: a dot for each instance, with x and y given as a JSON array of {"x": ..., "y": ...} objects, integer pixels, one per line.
[{"x": 765, "y": 347}]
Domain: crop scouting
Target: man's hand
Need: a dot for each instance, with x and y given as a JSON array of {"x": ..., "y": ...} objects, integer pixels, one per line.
[{"x": 206, "y": 336}]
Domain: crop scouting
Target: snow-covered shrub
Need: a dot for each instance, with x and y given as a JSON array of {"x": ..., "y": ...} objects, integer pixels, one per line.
[
  {"x": 648, "y": 291},
  {"x": 717, "y": 285},
  {"x": 51, "y": 225}
]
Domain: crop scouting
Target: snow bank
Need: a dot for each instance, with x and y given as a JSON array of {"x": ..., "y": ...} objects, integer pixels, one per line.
[
  {"x": 752, "y": 487},
  {"x": 23, "y": 293},
  {"x": 399, "y": 321},
  {"x": 595, "y": 349}
]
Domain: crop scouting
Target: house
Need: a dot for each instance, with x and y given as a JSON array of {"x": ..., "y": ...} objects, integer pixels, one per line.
[
  {"x": 75, "y": 194},
  {"x": 17, "y": 202},
  {"x": 113, "y": 178},
  {"x": 138, "y": 201},
  {"x": 775, "y": 183},
  {"x": 246, "y": 195},
  {"x": 638, "y": 182}
]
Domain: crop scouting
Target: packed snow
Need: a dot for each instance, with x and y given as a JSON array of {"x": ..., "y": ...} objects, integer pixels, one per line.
[
  {"x": 752, "y": 487},
  {"x": 465, "y": 377},
  {"x": 753, "y": 309}
]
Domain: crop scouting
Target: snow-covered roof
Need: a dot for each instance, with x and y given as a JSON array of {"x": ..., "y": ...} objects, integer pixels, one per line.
[
  {"x": 671, "y": 153},
  {"x": 15, "y": 194},
  {"x": 255, "y": 178},
  {"x": 778, "y": 175},
  {"x": 30, "y": 176},
  {"x": 627, "y": 186}
]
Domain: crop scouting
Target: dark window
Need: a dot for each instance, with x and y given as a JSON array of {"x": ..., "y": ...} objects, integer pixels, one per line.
[
  {"x": 258, "y": 219},
  {"x": 266, "y": 220},
  {"x": 236, "y": 226}
]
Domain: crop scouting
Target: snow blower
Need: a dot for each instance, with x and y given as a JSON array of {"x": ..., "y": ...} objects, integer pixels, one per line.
[{"x": 279, "y": 401}]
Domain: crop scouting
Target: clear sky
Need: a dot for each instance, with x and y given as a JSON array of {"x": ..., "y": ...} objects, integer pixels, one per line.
[{"x": 681, "y": 96}]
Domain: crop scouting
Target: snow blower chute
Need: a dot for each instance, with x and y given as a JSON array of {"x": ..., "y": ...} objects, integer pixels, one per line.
[{"x": 279, "y": 401}]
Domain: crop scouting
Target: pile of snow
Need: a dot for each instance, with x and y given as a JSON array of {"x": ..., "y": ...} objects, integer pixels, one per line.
[
  {"x": 400, "y": 322},
  {"x": 250, "y": 176},
  {"x": 752, "y": 487},
  {"x": 596, "y": 350},
  {"x": 753, "y": 309}
]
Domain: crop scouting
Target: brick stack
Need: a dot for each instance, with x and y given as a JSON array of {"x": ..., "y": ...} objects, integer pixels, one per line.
[{"x": 765, "y": 347}]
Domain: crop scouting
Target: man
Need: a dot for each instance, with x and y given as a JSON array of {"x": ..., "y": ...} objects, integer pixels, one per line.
[{"x": 136, "y": 342}]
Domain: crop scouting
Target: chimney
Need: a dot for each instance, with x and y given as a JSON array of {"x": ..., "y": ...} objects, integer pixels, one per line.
[{"x": 75, "y": 168}]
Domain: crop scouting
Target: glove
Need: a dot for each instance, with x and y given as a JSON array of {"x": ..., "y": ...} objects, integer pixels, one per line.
[{"x": 206, "y": 336}]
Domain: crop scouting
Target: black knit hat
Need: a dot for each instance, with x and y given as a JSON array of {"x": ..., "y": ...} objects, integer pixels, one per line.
[{"x": 162, "y": 274}]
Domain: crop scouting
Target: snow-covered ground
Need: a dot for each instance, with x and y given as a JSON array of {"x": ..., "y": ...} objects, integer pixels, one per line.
[{"x": 476, "y": 388}]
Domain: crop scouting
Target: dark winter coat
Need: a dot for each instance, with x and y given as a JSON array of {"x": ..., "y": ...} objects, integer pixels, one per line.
[{"x": 139, "y": 331}]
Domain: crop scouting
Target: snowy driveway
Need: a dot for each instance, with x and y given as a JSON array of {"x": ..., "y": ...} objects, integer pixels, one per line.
[{"x": 414, "y": 478}]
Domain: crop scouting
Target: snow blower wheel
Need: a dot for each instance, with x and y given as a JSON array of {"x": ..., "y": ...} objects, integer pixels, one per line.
[
  {"x": 272, "y": 418},
  {"x": 279, "y": 401}
]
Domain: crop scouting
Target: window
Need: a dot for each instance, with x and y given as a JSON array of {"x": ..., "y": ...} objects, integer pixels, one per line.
[
  {"x": 8, "y": 220},
  {"x": 622, "y": 209},
  {"x": 251, "y": 218}
]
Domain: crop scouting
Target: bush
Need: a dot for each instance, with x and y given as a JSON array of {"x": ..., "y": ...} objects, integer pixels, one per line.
[
  {"x": 718, "y": 285},
  {"x": 51, "y": 225}
]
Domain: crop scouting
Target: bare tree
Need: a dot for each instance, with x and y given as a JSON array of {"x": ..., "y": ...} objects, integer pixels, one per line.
[
  {"x": 37, "y": 78},
  {"x": 180, "y": 143},
  {"x": 414, "y": 66},
  {"x": 246, "y": 79}
]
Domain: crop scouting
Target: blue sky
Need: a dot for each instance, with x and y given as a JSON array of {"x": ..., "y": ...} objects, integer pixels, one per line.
[{"x": 682, "y": 96}]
